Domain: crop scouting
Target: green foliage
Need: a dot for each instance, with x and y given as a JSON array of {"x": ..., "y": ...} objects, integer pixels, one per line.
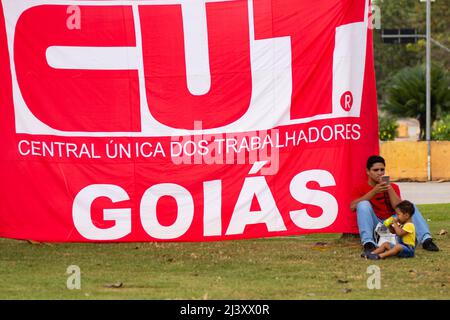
[
  {"x": 390, "y": 58},
  {"x": 441, "y": 129},
  {"x": 406, "y": 94},
  {"x": 387, "y": 128}
]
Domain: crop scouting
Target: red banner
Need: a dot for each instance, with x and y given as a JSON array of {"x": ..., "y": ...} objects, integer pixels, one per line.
[{"x": 183, "y": 120}]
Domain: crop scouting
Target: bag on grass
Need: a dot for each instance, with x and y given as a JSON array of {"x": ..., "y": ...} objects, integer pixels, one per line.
[{"x": 382, "y": 235}]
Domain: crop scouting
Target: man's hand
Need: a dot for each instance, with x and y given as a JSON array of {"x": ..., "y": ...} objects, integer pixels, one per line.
[{"x": 381, "y": 187}]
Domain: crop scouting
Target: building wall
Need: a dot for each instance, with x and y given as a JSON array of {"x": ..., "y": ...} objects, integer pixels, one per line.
[
  {"x": 407, "y": 160},
  {"x": 440, "y": 160}
]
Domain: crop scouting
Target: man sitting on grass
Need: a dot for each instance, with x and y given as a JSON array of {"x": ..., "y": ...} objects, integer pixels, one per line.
[
  {"x": 374, "y": 202},
  {"x": 403, "y": 227}
]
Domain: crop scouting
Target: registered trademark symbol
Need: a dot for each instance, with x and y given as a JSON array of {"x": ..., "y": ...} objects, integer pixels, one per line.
[{"x": 347, "y": 101}]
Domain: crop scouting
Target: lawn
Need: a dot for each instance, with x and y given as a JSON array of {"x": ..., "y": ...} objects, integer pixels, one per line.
[{"x": 322, "y": 266}]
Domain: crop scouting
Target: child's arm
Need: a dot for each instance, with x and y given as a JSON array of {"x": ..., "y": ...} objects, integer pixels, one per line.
[
  {"x": 391, "y": 229},
  {"x": 398, "y": 230}
]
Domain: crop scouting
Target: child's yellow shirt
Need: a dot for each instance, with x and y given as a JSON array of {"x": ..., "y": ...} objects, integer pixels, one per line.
[{"x": 410, "y": 238}]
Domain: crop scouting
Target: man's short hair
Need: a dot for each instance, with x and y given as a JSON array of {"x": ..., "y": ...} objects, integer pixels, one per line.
[
  {"x": 374, "y": 159},
  {"x": 406, "y": 207}
]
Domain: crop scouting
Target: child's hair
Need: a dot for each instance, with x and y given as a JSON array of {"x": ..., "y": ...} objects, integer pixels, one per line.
[
  {"x": 374, "y": 159},
  {"x": 406, "y": 207}
]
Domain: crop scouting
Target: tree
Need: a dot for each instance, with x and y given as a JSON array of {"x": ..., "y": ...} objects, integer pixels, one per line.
[
  {"x": 398, "y": 14},
  {"x": 441, "y": 129},
  {"x": 405, "y": 94},
  {"x": 387, "y": 128}
]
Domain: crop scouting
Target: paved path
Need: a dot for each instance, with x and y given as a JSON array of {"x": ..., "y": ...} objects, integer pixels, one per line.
[{"x": 425, "y": 192}]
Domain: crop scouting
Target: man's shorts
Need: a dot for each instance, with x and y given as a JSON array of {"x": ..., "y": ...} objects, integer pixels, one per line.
[{"x": 407, "y": 251}]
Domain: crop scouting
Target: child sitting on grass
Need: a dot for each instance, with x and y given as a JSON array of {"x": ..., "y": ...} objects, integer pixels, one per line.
[{"x": 403, "y": 227}]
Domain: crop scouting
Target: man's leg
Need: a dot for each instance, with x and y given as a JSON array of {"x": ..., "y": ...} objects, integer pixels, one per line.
[
  {"x": 423, "y": 233},
  {"x": 367, "y": 221},
  {"x": 422, "y": 230}
]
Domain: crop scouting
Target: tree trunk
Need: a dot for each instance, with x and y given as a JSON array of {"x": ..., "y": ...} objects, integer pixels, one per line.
[{"x": 423, "y": 124}]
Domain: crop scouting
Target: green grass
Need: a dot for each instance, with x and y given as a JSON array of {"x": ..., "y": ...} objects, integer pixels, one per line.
[{"x": 304, "y": 267}]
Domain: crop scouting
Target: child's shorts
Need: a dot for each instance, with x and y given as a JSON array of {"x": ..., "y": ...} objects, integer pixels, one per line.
[{"x": 407, "y": 251}]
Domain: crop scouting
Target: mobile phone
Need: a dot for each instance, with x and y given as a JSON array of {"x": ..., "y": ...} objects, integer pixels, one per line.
[{"x": 385, "y": 179}]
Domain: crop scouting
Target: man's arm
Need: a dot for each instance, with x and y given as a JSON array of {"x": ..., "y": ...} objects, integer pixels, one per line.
[
  {"x": 369, "y": 195},
  {"x": 393, "y": 197},
  {"x": 380, "y": 187}
]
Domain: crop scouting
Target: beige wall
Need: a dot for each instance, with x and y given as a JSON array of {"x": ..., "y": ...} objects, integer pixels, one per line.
[
  {"x": 440, "y": 160},
  {"x": 408, "y": 159}
]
